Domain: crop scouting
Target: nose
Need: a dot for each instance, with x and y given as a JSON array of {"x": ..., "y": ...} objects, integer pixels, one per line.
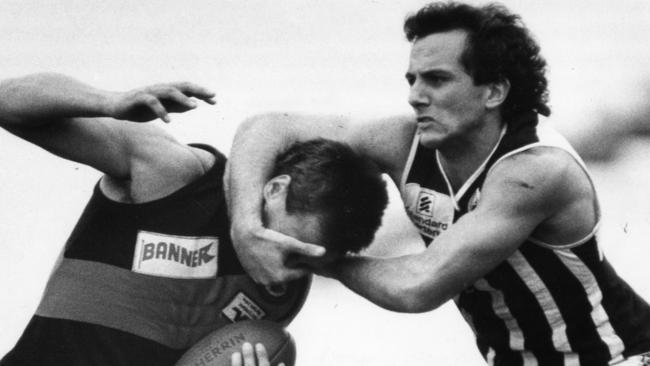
[{"x": 417, "y": 96}]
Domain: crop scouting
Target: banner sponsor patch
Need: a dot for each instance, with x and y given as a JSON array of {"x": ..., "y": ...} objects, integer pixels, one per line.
[{"x": 175, "y": 256}]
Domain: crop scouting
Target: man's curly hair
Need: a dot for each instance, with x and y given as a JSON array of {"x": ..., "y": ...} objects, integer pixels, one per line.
[{"x": 499, "y": 47}]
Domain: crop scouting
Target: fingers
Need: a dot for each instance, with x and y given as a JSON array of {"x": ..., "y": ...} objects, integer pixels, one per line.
[
  {"x": 156, "y": 107},
  {"x": 281, "y": 277},
  {"x": 177, "y": 96},
  {"x": 294, "y": 274},
  {"x": 273, "y": 281},
  {"x": 236, "y": 359},
  {"x": 306, "y": 249},
  {"x": 181, "y": 94},
  {"x": 249, "y": 356},
  {"x": 292, "y": 245},
  {"x": 197, "y": 91},
  {"x": 165, "y": 98},
  {"x": 262, "y": 357}
]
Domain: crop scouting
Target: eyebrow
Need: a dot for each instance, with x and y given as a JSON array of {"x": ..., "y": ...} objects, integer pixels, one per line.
[{"x": 429, "y": 72}]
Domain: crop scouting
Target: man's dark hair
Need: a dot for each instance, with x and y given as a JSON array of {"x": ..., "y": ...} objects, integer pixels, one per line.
[
  {"x": 331, "y": 180},
  {"x": 498, "y": 47}
]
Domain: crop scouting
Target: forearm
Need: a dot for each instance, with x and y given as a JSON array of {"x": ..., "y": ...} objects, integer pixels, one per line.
[
  {"x": 397, "y": 284},
  {"x": 476, "y": 244},
  {"x": 41, "y": 98}
]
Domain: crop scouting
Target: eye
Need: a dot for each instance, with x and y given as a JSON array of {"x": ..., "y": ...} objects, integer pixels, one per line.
[{"x": 434, "y": 79}]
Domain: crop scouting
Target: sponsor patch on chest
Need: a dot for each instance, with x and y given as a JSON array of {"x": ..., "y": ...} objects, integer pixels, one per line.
[
  {"x": 175, "y": 256},
  {"x": 432, "y": 212}
]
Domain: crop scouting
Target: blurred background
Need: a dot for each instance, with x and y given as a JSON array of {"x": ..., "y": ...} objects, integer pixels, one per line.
[{"x": 317, "y": 56}]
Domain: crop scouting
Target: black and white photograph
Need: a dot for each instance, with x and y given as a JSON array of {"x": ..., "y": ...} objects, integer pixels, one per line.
[{"x": 324, "y": 182}]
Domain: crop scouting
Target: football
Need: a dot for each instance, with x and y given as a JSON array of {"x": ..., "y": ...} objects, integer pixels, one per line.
[{"x": 216, "y": 348}]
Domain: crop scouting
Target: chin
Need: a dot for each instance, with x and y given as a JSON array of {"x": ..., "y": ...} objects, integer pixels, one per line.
[{"x": 431, "y": 141}]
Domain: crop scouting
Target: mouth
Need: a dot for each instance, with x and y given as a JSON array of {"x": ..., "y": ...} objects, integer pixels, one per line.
[{"x": 424, "y": 119}]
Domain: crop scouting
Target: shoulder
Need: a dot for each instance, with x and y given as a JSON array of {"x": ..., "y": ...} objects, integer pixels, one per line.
[
  {"x": 549, "y": 164},
  {"x": 159, "y": 165},
  {"x": 540, "y": 179}
]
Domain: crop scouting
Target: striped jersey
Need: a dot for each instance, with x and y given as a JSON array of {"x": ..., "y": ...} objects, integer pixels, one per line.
[{"x": 546, "y": 304}]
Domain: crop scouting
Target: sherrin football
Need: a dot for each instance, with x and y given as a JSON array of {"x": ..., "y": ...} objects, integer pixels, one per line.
[{"x": 216, "y": 348}]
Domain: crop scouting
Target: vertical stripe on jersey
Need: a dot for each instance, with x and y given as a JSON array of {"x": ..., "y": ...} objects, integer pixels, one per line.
[
  {"x": 545, "y": 300},
  {"x": 571, "y": 300},
  {"x": 628, "y": 313},
  {"x": 595, "y": 296},
  {"x": 490, "y": 357},
  {"x": 529, "y": 359},
  {"x": 489, "y": 328},
  {"x": 526, "y": 309},
  {"x": 487, "y": 352},
  {"x": 573, "y": 359},
  {"x": 515, "y": 335}
]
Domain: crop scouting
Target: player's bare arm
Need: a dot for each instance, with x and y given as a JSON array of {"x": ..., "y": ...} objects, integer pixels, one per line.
[
  {"x": 61, "y": 115},
  {"x": 263, "y": 252},
  {"x": 521, "y": 194},
  {"x": 38, "y": 98}
]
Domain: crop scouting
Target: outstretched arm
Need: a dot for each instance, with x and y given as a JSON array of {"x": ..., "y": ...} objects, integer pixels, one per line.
[
  {"x": 60, "y": 114},
  {"x": 517, "y": 197},
  {"x": 258, "y": 141}
]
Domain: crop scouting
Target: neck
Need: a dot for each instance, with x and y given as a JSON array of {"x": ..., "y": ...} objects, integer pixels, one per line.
[{"x": 461, "y": 159}]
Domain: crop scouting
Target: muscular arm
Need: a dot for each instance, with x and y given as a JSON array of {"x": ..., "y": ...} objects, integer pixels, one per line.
[
  {"x": 60, "y": 114},
  {"x": 257, "y": 143},
  {"x": 519, "y": 195},
  {"x": 38, "y": 99}
]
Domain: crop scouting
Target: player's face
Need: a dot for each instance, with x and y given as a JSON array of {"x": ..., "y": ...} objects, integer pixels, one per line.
[{"x": 447, "y": 104}]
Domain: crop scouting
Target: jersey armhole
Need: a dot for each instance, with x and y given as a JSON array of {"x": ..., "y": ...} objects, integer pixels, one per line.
[{"x": 576, "y": 158}]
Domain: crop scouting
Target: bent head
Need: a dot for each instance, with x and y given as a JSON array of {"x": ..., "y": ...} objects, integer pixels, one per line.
[
  {"x": 487, "y": 45},
  {"x": 322, "y": 192}
]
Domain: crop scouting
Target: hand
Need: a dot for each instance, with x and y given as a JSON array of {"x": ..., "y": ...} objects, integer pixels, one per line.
[
  {"x": 156, "y": 101},
  {"x": 247, "y": 357},
  {"x": 263, "y": 253}
]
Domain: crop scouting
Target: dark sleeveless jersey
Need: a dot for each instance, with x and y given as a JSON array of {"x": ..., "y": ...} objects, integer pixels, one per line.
[
  {"x": 140, "y": 283},
  {"x": 546, "y": 304}
]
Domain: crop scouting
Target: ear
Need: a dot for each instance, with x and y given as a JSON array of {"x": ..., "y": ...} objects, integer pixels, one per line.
[
  {"x": 497, "y": 93},
  {"x": 276, "y": 188}
]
